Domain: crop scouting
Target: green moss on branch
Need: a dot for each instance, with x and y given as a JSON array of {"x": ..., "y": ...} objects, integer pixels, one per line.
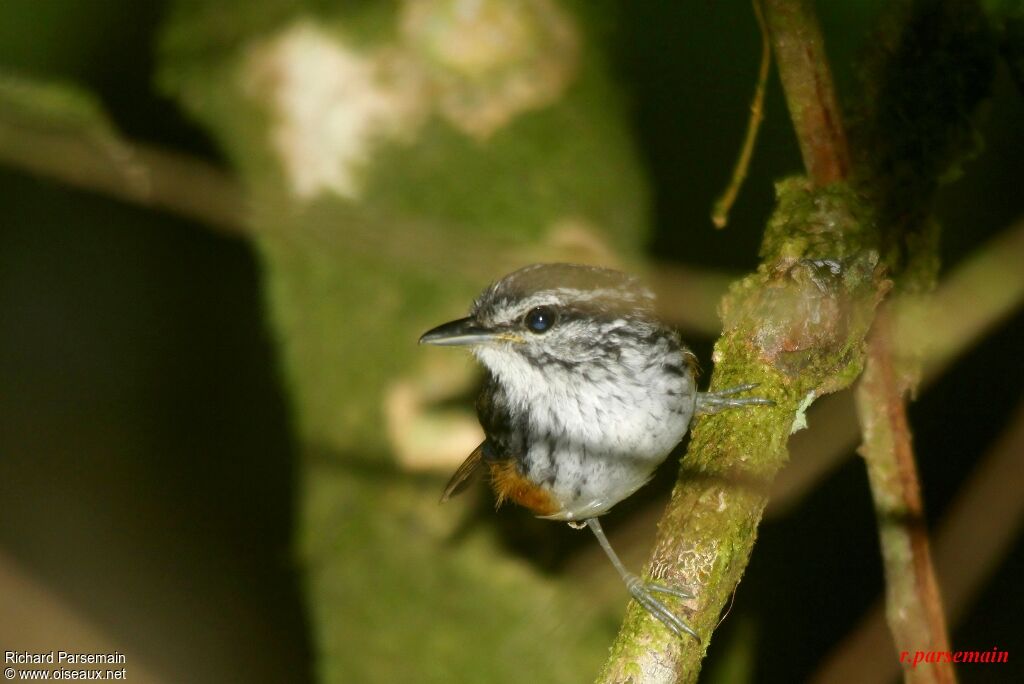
[{"x": 797, "y": 327}]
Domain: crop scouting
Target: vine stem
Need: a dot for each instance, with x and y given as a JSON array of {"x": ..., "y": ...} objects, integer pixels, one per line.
[{"x": 722, "y": 206}]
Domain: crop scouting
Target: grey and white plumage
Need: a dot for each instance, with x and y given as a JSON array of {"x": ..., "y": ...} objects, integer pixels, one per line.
[
  {"x": 589, "y": 408},
  {"x": 587, "y": 392}
]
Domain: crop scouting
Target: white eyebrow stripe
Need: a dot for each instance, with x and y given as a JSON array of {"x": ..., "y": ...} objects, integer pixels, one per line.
[{"x": 564, "y": 294}]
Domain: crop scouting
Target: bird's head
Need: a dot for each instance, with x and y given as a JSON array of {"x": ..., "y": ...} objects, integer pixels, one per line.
[{"x": 577, "y": 318}]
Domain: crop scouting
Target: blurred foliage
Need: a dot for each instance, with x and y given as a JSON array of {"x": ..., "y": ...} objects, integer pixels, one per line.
[
  {"x": 63, "y": 103},
  {"x": 1007, "y": 17},
  {"x": 914, "y": 128}
]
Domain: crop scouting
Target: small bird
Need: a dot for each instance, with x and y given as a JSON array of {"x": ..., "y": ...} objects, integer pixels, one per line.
[{"x": 586, "y": 393}]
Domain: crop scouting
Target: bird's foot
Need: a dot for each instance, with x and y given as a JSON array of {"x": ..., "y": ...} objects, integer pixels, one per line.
[
  {"x": 714, "y": 402},
  {"x": 644, "y": 593}
]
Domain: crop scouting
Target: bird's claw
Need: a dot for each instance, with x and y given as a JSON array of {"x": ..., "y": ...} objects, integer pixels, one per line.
[
  {"x": 644, "y": 592},
  {"x": 714, "y": 402}
]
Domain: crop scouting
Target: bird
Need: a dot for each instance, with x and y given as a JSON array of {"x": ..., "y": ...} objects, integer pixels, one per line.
[{"x": 586, "y": 392}]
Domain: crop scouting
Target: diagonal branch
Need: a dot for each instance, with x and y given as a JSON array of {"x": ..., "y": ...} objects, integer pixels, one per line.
[
  {"x": 797, "y": 330},
  {"x": 59, "y": 132},
  {"x": 981, "y": 524},
  {"x": 796, "y": 326},
  {"x": 913, "y": 604}
]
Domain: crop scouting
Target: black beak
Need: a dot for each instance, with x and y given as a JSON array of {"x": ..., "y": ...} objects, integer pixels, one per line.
[{"x": 463, "y": 332}]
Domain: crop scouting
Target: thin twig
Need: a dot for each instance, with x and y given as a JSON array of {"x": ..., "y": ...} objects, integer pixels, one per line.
[
  {"x": 914, "y": 606},
  {"x": 722, "y": 206},
  {"x": 807, "y": 82}
]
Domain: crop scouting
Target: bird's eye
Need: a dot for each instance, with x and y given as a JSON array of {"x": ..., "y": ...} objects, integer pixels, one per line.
[{"x": 539, "y": 320}]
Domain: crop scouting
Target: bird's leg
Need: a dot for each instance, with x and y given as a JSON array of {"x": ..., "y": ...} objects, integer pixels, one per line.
[
  {"x": 642, "y": 591},
  {"x": 713, "y": 402}
]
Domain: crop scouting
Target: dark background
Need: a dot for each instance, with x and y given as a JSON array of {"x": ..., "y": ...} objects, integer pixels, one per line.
[{"x": 145, "y": 467}]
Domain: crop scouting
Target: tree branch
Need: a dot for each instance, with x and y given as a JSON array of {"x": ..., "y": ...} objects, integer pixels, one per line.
[
  {"x": 914, "y": 606},
  {"x": 807, "y": 82},
  {"x": 59, "y": 132},
  {"x": 797, "y": 327},
  {"x": 981, "y": 524},
  {"x": 978, "y": 295}
]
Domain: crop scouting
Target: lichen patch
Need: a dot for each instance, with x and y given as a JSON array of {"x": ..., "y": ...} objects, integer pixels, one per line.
[
  {"x": 329, "y": 104},
  {"x": 478, "y": 64},
  {"x": 800, "y": 419},
  {"x": 491, "y": 60}
]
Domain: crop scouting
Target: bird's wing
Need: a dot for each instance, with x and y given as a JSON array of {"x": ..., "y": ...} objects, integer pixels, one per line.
[
  {"x": 464, "y": 473},
  {"x": 691, "y": 361}
]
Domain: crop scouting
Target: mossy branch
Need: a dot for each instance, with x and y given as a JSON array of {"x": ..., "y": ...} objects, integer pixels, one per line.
[{"x": 796, "y": 326}]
